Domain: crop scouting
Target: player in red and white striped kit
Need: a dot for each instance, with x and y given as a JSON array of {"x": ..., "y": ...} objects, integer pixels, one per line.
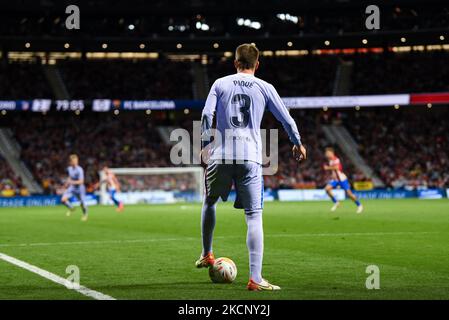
[{"x": 339, "y": 179}]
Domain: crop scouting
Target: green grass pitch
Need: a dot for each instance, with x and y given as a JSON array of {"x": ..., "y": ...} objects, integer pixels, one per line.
[{"x": 148, "y": 252}]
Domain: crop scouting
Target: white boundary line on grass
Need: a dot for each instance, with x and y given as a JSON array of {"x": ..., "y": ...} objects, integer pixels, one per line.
[
  {"x": 147, "y": 240},
  {"x": 53, "y": 277}
]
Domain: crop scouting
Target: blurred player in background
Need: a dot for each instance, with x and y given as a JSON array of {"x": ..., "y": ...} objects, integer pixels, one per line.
[
  {"x": 339, "y": 179},
  {"x": 238, "y": 103},
  {"x": 75, "y": 187},
  {"x": 113, "y": 186}
]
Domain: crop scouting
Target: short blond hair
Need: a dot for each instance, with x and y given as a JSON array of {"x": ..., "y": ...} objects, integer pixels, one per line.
[
  {"x": 246, "y": 56},
  {"x": 73, "y": 156}
]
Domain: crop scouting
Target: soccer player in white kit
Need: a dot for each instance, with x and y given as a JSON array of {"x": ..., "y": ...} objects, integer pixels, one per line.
[
  {"x": 238, "y": 103},
  {"x": 75, "y": 187}
]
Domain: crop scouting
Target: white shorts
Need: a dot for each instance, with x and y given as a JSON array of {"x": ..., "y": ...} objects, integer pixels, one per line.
[
  {"x": 78, "y": 192},
  {"x": 246, "y": 177}
]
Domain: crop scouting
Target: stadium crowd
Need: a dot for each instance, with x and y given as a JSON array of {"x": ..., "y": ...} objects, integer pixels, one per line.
[
  {"x": 127, "y": 79},
  {"x": 117, "y": 141},
  {"x": 10, "y": 183},
  {"x": 23, "y": 80},
  {"x": 309, "y": 75},
  {"x": 406, "y": 148},
  {"x": 310, "y": 173},
  {"x": 131, "y": 139},
  {"x": 400, "y": 72},
  {"x": 288, "y": 74}
]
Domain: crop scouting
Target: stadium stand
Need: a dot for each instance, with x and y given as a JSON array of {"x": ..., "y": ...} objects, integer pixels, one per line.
[
  {"x": 23, "y": 80},
  {"x": 310, "y": 75},
  {"x": 124, "y": 79},
  {"x": 131, "y": 139},
  {"x": 48, "y": 140},
  {"x": 407, "y": 148},
  {"x": 288, "y": 74},
  {"x": 400, "y": 72},
  {"x": 10, "y": 184}
]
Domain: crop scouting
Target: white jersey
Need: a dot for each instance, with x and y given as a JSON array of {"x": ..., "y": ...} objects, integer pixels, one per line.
[
  {"x": 238, "y": 102},
  {"x": 76, "y": 173}
]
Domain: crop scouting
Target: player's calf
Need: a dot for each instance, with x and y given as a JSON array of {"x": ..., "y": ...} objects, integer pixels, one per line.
[
  {"x": 356, "y": 201},
  {"x": 69, "y": 206},
  {"x": 85, "y": 213}
]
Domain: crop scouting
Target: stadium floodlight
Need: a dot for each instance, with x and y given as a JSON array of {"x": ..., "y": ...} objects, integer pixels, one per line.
[
  {"x": 256, "y": 25},
  {"x": 156, "y": 185},
  {"x": 202, "y": 26},
  {"x": 249, "y": 23},
  {"x": 180, "y": 28},
  {"x": 287, "y": 17}
]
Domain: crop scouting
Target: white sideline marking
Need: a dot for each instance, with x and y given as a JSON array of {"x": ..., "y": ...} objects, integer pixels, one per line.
[
  {"x": 299, "y": 235},
  {"x": 55, "y": 278},
  {"x": 70, "y": 243},
  {"x": 348, "y": 234}
]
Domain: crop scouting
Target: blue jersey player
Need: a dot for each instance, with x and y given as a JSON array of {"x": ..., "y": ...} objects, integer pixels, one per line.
[
  {"x": 75, "y": 187},
  {"x": 234, "y": 157}
]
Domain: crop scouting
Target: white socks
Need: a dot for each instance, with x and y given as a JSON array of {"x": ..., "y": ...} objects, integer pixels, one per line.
[
  {"x": 208, "y": 223},
  {"x": 254, "y": 241},
  {"x": 254, "y": 238}
]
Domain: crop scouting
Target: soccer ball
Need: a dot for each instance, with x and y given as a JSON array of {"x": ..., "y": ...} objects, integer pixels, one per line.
[{"x": 223, "y": 271}]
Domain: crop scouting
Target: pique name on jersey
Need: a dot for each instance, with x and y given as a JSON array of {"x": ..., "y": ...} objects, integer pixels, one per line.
[{"x": 241, "y": 83}]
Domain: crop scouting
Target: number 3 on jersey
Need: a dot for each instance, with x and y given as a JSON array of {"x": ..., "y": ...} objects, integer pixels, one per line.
[{"x": 243, "y": 102}]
